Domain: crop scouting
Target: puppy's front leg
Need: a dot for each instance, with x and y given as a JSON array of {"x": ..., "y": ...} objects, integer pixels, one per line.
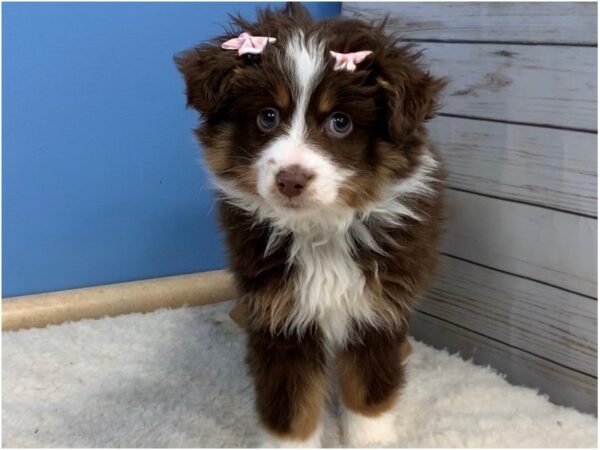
[
  {"x": 290, "y": 382},
  {"x": 371, "y": 375}
]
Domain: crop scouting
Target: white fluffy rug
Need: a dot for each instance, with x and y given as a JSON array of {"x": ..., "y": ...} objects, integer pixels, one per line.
[{"x": 175, "y": 378}]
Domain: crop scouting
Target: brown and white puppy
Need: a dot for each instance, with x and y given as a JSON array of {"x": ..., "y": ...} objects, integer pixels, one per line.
[{"x": 329, "y": 194}]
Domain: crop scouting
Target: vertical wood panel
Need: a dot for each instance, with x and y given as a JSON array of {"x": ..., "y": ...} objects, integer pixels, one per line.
[
  {"x": 563, "y": 386},
  {"x": 546, "y": 85},
  {"x": 556, "y": 22},
  {"x": 557, "y": 325},
  {"x": 548, "y": 246},
  {"x": 548, "y": 167}
]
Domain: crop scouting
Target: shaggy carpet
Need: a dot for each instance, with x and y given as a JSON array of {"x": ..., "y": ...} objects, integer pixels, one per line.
[{"x": 176, "y": 378}]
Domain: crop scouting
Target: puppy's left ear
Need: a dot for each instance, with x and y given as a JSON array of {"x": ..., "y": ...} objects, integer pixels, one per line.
[
  {"x": 208, "y": 72},
  {"x": 411, "y": 93}
]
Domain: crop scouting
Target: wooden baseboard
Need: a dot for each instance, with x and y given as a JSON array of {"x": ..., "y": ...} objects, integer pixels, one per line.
[{"x": 39, "y": 310}]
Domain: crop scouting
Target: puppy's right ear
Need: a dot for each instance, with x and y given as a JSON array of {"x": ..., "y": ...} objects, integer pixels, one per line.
[{"x": 208, "y": 72}]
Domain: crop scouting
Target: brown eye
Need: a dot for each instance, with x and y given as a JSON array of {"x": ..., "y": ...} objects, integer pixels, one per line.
[
  {"x": 268, "y": 120},
  {"x": 339, "y": 125}
]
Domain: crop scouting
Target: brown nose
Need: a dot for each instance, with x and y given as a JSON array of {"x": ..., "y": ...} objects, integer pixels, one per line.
[{"x": 292, "y": 181}]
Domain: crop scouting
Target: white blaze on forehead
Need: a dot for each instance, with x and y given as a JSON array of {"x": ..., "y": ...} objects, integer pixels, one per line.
[{"x": 304, "y": 59}]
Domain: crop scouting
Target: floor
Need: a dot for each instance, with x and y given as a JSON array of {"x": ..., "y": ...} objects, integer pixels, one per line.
[{"x": 175, "y": 378}]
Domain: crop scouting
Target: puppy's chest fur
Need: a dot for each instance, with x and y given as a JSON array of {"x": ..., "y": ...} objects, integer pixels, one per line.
[{"x": 329, "y": 286}]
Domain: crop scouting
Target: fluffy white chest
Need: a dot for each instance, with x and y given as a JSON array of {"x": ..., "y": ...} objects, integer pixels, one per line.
[{"x": 330, "y": 287}]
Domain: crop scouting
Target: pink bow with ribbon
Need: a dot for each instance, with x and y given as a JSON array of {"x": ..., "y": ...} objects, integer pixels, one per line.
[
  {"x": 348, "y": 61},
  {"x": 246, "y": 43}
]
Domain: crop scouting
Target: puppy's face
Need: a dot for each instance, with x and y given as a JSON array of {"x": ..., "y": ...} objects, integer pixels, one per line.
[{"x": 286, "y": 129}]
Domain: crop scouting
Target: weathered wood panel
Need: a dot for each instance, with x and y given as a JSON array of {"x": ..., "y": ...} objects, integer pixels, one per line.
[
  {"x": 563, "y": 23},
  {"x": 543, "y": 244},
  {"x": 563, "y": 386},
  {"x": 557, "y": 325},
  {"x": 544, "y": 85},
  {"x": 548, "y": 167}
]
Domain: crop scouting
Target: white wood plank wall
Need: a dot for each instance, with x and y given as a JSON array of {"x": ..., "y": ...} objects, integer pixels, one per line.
[{"x": 517, "y": 288}]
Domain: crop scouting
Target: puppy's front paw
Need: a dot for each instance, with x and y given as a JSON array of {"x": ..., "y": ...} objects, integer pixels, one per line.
[
  {"x": 267, "y": 440},
  {"x": 363, "y": 431}
]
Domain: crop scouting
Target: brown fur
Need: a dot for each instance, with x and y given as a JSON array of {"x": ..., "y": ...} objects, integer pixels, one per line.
[
  {"x": 289, "y": 375},
  {"x": 239, "y": 314},
  {"x": 389, "y": 98},
  {"x": 371, "y": 372}
]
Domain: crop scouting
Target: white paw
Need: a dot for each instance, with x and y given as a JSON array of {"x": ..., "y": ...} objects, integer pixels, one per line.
[
  {"x": 363, "y": 431},
  {"x": 269, "y": 440}
]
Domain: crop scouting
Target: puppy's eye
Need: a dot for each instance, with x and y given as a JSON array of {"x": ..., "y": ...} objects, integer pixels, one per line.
[
  {"x": 339, "y": 125},
  {"x": 268, "y": 119}
]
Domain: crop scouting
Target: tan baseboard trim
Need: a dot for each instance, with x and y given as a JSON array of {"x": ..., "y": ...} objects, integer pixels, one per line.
[{"x": 39, "y": 310}]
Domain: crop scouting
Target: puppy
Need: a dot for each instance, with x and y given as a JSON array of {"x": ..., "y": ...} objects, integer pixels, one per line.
[{"x": 329, "y": 194}]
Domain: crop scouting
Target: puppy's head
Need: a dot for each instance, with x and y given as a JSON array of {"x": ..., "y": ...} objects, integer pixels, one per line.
[{"x": 298, "y": 130}]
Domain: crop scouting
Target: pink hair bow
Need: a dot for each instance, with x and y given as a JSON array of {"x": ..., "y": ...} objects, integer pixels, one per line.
[
  {"x": 246, "y": 43},
  {"x": 348, "y": 61}
]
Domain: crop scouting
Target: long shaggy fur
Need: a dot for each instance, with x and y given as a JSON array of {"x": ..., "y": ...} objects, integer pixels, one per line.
[{"x": 335, "y": 271}]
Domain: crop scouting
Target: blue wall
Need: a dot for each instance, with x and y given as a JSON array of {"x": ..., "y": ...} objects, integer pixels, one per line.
[{"x": 102, "y": 180}]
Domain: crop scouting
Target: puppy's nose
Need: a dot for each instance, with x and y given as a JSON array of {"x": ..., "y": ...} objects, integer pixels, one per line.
[{"x": 292, "y": 181}]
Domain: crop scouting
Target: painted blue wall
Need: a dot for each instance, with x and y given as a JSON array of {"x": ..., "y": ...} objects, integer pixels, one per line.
[{"x": 102, "y": 180}]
